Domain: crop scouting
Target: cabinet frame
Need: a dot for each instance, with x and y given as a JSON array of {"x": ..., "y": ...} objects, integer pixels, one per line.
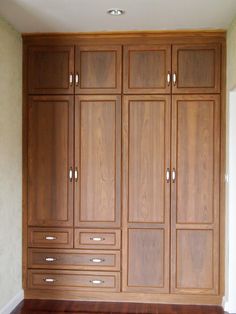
[{"x": 124, "y": 38}]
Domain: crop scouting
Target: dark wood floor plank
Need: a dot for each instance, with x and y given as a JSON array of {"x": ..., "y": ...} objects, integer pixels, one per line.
[{"x": 73, "y": 307}]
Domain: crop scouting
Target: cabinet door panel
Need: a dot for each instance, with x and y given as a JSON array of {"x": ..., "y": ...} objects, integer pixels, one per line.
[
  {"x": 50, "y": 154},
  {"x": 146, "y": 69},
  {"x": 97, "y": 151},
  {"x": 197, "y": 68},
  {"x": 195, "y": 194},
  {"x": 49, "y": 69},
  {"x": 146, "y": 193},
  {"x": 99, "y": 69},
  {"x": 146, "y": 260},
  {"x": 148, "y": 119}
]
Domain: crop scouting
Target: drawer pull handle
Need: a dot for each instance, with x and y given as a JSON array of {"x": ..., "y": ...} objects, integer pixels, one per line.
[
  {"x": 97, "y": 282},
  {"x": 97, "y": 260},
  {"x": 49, "y": 280},
  {"x": 97, "y": 239},
  {"x": 49, "y": 238},
  {"x": 50, "y": 259}
]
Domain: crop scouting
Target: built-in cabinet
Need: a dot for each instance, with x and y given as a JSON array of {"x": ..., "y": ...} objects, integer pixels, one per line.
[{"x": 123, "y": 176}]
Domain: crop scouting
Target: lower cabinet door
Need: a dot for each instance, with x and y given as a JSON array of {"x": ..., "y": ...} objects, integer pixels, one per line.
[
  {"x": 74, "y": 280},
  {"x": 74, "y": 259},
  {"x": 147, "y": 266}
]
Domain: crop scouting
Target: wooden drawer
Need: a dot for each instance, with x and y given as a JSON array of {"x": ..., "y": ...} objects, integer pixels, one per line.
[
  {"x": 97, "y": 239},
  {"x": 50, "y": 237},
  {"x": 74, "y": 280},
  {"x": 74, "y": 259}
]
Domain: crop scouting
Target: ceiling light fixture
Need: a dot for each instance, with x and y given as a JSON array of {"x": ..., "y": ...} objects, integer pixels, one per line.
[{"x": 115, "y": 12}]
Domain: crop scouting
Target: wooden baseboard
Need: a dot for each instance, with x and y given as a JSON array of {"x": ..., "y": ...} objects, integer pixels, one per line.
[{"x": 123, "y": 297}]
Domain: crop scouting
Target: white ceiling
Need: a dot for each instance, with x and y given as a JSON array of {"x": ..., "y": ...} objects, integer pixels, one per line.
[{"x": 30, "y": 16}]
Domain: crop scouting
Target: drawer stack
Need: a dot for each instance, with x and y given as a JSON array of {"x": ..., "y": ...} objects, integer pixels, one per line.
[{"x": 90, "y": 261}]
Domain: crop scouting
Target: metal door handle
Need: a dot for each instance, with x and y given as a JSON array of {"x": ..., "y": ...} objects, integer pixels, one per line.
[
  {"x": 49, "y": 280},
  {"x": 76, "y": 174},
  {"x": 71, "y": 174},
  {"x": 173, "y": 175},
  {"x": 97, "y": 239},
  {"x": 174, "y": 78},
  {"x": 71, "y": 79},
  {"x": 50, "y": 259},
  {"x": 168, "y": 175},
  {"x": 50, "y": 238},
  {"x": 77, "y": 79},
  {"x": 168, "y": 78},
  {"x": 96, "y": 282},
  {"x": 97, "y": 260}
]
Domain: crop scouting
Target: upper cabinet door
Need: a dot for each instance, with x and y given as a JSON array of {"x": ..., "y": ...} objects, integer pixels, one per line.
[
  {"x": 147, "y": 69},
  {"x": 196, "y": 69},
  {"x": 98, "y": 70},
  {"x": 51, "y": 69},
  {"x": 97, "y": 161},
  {"x": 50, "y": 156}
]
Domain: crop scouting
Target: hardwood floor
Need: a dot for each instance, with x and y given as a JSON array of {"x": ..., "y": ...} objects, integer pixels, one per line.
[{"x": 59, "y": 307}]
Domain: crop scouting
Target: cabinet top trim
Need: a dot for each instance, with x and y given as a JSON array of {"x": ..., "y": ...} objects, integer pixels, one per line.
[{"x": 174, "y": 34}]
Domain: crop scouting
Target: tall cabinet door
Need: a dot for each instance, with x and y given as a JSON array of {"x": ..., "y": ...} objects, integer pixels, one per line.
[
  {"x": 51, "y": 69},
  {"x": 50, "y": 156},
  {"x": 147, "y": 69},
  {"x": 97, "y": 161},
  {"x": 195, "y": 194},
  {"x": 146, "y": 193},
  {"x": 196, "y": 68},
  {"x": 98, "y": 70}
]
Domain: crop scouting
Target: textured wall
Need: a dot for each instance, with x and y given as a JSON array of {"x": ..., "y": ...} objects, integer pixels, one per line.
[{"x": 10, "y": 162}]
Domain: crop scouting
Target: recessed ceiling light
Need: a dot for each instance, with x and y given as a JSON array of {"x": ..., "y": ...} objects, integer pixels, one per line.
[{"x": 115, "y": 12}]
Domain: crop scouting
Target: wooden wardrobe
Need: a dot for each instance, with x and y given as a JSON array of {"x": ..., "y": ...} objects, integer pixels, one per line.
[{"x": 124, "y": 167}]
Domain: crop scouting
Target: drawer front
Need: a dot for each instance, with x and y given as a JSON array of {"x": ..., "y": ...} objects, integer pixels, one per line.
[
  {"x": 77, "y": 280},
  {"x": 50, "y": 237},
  {"x": 97, "y": 239},
  {"x": 74, "y": 259}
]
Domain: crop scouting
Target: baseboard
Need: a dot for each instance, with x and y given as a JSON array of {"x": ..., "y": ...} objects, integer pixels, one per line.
[{"x": 9, "y": 307}]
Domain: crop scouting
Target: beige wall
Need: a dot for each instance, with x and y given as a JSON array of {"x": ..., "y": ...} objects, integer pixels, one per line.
[
  {"x": 10, "y": 163},
  {"x": 230, "y": 270}
]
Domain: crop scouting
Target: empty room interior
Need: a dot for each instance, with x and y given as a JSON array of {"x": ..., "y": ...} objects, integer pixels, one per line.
[{"x": 117, "y": 156}]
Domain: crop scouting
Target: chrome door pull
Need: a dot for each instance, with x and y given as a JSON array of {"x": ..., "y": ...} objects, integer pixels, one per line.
[
  {"x": 50, "y": 238},
  {"x": 77, "y": 79},
  {"x": 173, "y": 175},
  {"x": 97, "y": 260},
  {"x": 71, "y": 174},
  {"x": 168, "y": 78},
  {"x": 97, "y": 239},
  {"x": 50, "y": 259},
  {"x": 168, "y": 175},
  {"x": 76, "y": 174},
  {"x": 174, "y": 78},
  {"x": 97, "y": 282},
  {"x": 71, "y": 79},
  {"x": 49, "y": 280}
]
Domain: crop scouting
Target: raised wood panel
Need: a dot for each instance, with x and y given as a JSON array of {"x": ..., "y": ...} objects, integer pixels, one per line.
[
  {"x": 97, "y": 238},
  {"x": 146, "y": 68},
  {"x": 49, "y": 69},
  {"x": 195, "y": 262},
  {"x": 50, "y": 155},
  {"x": 197, "y": 122},
  {"x": 197, "y": 68},
  {"x": 148, "y": 139},
  {"x": 74, "y": 280},
  {"x": 50, "y": 237},
  {"x": 99, "y": 69},
  {"x": 74, "y": 259},
  {"x": 98, "y": 158},
  {"x": 147, "y": 261},
  {"x": 195, "y": 194}
]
